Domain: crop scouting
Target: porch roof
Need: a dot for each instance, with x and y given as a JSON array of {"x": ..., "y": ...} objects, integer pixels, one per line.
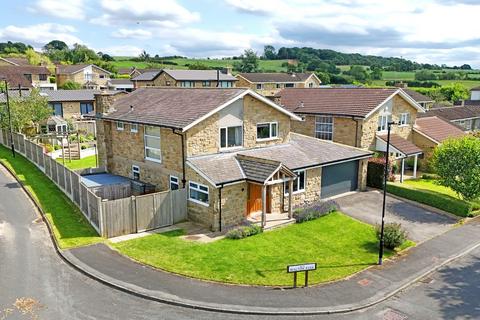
[
  {"x": 398, "y": 144},
  {"x": 299, "y": 153}
]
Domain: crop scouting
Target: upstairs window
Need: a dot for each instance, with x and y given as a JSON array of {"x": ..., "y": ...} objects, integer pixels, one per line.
[
  {"x": 152, "y": 144},
  {"x": 226, "y": 84},
  {"x": 88, "y": 76},
  {"x": 28, "y": 76},
  {"x": 120, "y": 126},
  {"x": 268, "y": 130},
  {"x": 289, "y": 85},
  {"x": 259, "y": 86},
  {"x": 58, "y": 109},
  {"x": 231, "y": 137},
  {"x": 324, "y": 127},
  {"x": 383, "y": 121},
  {"x": 134, "y": 128},
  {"x": 135, "y": 172},
  {"x": 173, "y": 183},
  {"x": 86, "y": 108},
  {"x": 405, "y": 119}
]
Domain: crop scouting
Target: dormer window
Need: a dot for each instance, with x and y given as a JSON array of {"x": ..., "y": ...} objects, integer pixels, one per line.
[{"x": 231, "y": 137}]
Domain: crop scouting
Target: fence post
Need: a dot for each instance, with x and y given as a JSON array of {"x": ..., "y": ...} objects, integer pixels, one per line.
[
  {"x": 100, "y": 216},
  {"x": 88, "y": 208},
  {"x": 134, "y": 212}
]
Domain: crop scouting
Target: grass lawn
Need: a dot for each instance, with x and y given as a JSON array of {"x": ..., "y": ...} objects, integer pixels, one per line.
[
  {"x": 87, "y": 162},
  {"x": 339, "y": 244},
  {"x": 69, "y": 226},
  {"x": 428, "y": 191}
]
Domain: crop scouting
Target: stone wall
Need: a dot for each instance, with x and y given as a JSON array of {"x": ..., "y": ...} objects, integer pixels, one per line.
[
  {"x": 202, "y": 214},
  {"x": 204, "y": 137},
  {"x": 427, "y": 146},
  {"x": 362, "y": 174}
]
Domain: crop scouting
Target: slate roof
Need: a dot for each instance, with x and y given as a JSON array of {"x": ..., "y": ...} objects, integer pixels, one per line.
[
  {"x": 258, "y": 77},
  {"x": 146, "y": 76},
  {"x": 418, "y": 96},
  {"x": 357, "y": 102},
  {"x": 120, "y": 81},
  {"x": 437, "y": 129},
  {"x": 298, "y": 153},
  {"x": 255, "y": 170},
  {"x": 16, "y": 61},
  {"x": 58, "y": 95},
  {"x": 475, "y": 89},
  {"x": 199, "y": 75},
  {"x": 404, "y": 146},
  {"x": 454, "y": 113}
]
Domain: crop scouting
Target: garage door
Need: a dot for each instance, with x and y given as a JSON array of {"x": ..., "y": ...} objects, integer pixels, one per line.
[{"x": 339, "y": 178}]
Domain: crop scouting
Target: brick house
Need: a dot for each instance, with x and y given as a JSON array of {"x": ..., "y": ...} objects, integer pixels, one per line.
[
  {"x": 269, "y": 84},
  {"x": 185, "y": 78},
  {"x": 357, "y": 117},
  {"x": 231, "y": 147},
  {"x": 89, "y": 76},
  {"x": 27, "y": 77}
]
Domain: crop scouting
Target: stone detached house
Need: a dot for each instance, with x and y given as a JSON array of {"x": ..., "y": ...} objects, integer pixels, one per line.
[
  {"x": 27, "y": 77},
  {"x": 89, "y": 76},
  {"x": 186, "y": 78},
  {"x": 357, "y": 117},
  {"x": 232, "y": 148},
  {"x": 268, "y": 84}
]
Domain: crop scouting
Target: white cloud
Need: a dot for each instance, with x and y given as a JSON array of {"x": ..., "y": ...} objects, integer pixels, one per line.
[
  {"x": 39, "y": 34},
  {"x": 68, "y": 9},
  {"x": 132, "y": 34},
  {"x": 167, "y": 13}
]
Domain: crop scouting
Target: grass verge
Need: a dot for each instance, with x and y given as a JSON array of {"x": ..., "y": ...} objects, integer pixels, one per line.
[
  {"x": 429, "y": 192},
  {"x": 339, "y": 244},
  {"x": 69, "y": 226},
  {"x": 87, "y": 162}
]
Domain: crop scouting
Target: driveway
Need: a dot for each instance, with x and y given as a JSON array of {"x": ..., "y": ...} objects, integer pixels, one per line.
[{"x": 420, "y": 223}]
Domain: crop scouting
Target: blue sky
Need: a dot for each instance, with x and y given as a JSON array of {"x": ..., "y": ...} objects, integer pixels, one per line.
[{"x": 434, "y": 31}]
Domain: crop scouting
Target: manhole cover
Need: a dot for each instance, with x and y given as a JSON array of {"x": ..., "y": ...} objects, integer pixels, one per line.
[{"x": 391, "y": 314}]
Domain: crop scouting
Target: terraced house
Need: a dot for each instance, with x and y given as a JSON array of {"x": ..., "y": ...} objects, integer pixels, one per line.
[
  {"x": 357, "y": 117},
  {"x": 231, "y": 147}
]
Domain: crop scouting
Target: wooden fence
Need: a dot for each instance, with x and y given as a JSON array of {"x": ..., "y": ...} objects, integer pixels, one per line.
[{"x": 110, "y": 218}]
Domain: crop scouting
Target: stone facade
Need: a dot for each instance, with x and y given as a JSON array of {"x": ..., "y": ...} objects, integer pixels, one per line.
[
  {"x": 165, "y": 80},
  {"x": 98, "y": 77},
  {"x": 362, "y": 174},
  {"x": 270, "y": 89},
  {"x": 71, "y": 109},
  {"x": 427, "y": 146}
]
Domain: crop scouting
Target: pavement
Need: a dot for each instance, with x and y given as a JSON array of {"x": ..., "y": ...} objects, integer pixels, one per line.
[{"x": 421, "y": 224}]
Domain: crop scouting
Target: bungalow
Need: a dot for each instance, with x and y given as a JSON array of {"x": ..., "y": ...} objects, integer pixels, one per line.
[
  {"x": 120, "y": 85},
  {"x": 186, "y": 79},
  {"x": 357, "y": 117},
  {"x": 27, "y": 77},
  {"x": 89, "y": 76},
  {"x": 231, "y": 147},
  {"x": 466, "y": 116},
  {"x": 268, "y": 84}
]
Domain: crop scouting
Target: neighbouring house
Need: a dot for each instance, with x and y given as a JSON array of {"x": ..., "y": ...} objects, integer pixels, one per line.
[
  {"x": 186, "y": 78},
  {"x": 431, "y": 131},
  {"x": 466, "y": 116},
  {"x": 13, "y": 61},
  {"x": 231, "y": 147},
  {"x": 121, "y": 85},
  {"x": 425, "y": 101},
  {"x": 268, "y": 84},
  {"x": 27, "y": 77},
  {"x": 131, "y": 72},
  {"x": 89, "y": 76},
  {"x": 357, "y": 117}
]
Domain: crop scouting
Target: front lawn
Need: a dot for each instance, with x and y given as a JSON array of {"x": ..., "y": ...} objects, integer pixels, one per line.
[
  {"x": 429, "y": 192},
  {"x": 69, "y": 226},
  {"x": 87, "y": 162},
  {"x": 339, "y": 244}
]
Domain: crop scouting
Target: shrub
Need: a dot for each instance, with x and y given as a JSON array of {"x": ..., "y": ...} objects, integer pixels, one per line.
[
  {"x": 57, "y": 147},
  {"x": 375, "y": 172},
  {"x": 90, "y": 137},
  {"x": 83, "y": 147},
  {"x": 394, "y": 235},
  {"x": 243, "y": 232},
  {"x": 314, "y": 211},
  {"x": 48, "y": 148}
]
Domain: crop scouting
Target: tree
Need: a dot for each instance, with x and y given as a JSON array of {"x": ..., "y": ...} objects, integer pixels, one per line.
[
  {"x": 26, "y": 111},
  {"x": 106, "y": 57},
  {"x": 55, "y": 45},
  {"x": 71, "y": 85},
  {"x": 358, "y": 73},
  {"x": 457, "y": 163},
  {"x": 376, "y": 73},
  {"x": 249, "y": 62},
  {"x": 38, "y": 59},
  {"x": 323, "y": 76},
  {"x": 455, "y": 92},
  {"x": 197, "y": 65},
  {"x": 423, "y": 75},
  {"x": 81, "y": 53},
  {"x": 269, "y": 52},
  {"x": 144, "y": 56}
]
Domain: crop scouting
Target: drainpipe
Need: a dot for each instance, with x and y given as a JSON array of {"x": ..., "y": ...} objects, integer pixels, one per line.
[
  {"x": 356, "y": 131},
  {"x": 220, "y": 208},
  {"x": 183, "y": 156}
]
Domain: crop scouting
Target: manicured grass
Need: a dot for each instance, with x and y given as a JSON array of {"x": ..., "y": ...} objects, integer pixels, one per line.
[
  {"x": 339, "y": 244},
  {"x": 69, "y": 226},
  {"x": 87, "y": 162},
  {"x": 429, "y": 192}
]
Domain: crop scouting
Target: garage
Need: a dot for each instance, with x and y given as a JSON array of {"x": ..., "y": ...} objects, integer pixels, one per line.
[{"x": 339, "y": 178}]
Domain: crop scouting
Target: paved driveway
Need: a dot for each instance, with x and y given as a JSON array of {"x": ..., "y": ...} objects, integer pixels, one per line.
[{"x": 421, "y": 224}]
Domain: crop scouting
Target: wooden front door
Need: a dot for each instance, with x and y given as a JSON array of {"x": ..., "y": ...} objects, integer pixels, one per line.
[{"x": 254, "y": 202}]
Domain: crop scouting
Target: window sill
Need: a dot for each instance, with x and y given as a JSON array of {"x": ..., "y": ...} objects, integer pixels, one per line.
[
  {"x": 295, "y": 192},
  {"x": 153, "y": 160},
  {"x": 230, "y": 149},
  {"x": 199, "y": 202},
  {"x": 268, "y": 139}
]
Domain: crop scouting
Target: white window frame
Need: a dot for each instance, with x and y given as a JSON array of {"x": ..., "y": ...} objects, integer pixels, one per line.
[
  {"x": 173, "y": 180},
  {"x": 184, "y": 82},
  {"x": 151, "y": 148},
  {"x": 226, "y": 136},
  {"x": 404, "y": 119},
  {"x": 198, "y": 189},
  {"x": 120, "y": 126},
  {"x": 132, "y": 126},
  {"x": 135, "y": 169},
  {"x": 317, "y": 121},
  {"x": 297, "y": 172},
  {"x": 384, "y": 124},
  {"x": 226, "y": 84},
  {"x": 270, "y": 131}
]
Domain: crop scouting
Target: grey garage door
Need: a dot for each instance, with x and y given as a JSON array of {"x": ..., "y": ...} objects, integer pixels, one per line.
[{"x": 339, "y": 178}]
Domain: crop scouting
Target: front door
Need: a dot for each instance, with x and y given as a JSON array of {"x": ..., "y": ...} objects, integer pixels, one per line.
[{"x": 254, "y": 202}]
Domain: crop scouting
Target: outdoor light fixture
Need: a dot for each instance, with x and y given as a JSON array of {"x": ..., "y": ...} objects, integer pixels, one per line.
[{"x": 385, "y": 178}]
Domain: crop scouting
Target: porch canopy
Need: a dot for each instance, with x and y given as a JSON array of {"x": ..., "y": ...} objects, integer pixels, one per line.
[{"x": 401, "y": 146}]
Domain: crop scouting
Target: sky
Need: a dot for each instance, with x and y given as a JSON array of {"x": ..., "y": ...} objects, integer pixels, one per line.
[{"x": 427, "y": 31}]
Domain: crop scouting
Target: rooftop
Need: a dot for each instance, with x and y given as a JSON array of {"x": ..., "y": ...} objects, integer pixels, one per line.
[
  {"x": 57, "y": 95},
  {"x": 417, "y": 96},
  {"x": 437, "y": 129},
  {"x": 276, "y": 77},
  {"x": 455, "y": 112},
  {"x": 186, "y": 75},
  {"x": 74, "y": 68},
  {"x": 403, "y": 145}
]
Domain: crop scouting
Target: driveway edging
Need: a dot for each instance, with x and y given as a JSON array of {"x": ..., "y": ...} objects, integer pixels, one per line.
[{"x": 178, "y": 301}]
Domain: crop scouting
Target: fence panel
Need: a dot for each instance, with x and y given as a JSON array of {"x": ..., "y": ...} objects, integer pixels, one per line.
[
  {"x": 145, "y": 210},
  {"x": 28, "y": 149},
  {"x": 93, "y": 206},
  {"x": 2, "y": 141},
  {"x": 21, "y": 143},
  {"x": 61, "y": 175},
  {"x": 68, "y": 178},
  {"x": 53, "y": 168},
  {"x": 15, "y": 142},
  {"x": 83, "y": 200},
  {"x": 34, "y": 153},
  {"x": 118, "y": 217},
  {"x": 179, "y": 205},
  {"x": 40, "y": 156},
  {"x": 48, "y": 166},
  {"x": 76, "y": 188}
]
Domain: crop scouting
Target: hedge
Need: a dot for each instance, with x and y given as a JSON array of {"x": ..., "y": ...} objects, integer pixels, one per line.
[{"x": 446, "y": 203}]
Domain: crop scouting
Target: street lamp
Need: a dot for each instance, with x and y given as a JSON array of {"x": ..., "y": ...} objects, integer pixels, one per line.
[
  {"x": 9, "y": 117},
  {"x": 385, "y": 178}
]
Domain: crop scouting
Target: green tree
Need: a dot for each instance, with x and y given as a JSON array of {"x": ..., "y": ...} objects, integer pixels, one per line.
[
  {"x": 55, "y": 45},
  {"x": 424, "y": 75},
  {"x": 71, "y": 85},
  {"x": 455, "y": 92},
  {"x": 323, "y": 76},
  {"x": 376, "y": 73},
  {"x": 81, "y": 53},
  {"x": 38, "y": 59},
  {"x": 358, "y": 73},
  {"x": 457, "y": 163},
  {"x": 197, "y": 65},
  {"x": 269, "y": 52},
  {"x": 26, "y": 111},
  {"x": 249, "y": 62},
  {"x": 144, "y": 56}
]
